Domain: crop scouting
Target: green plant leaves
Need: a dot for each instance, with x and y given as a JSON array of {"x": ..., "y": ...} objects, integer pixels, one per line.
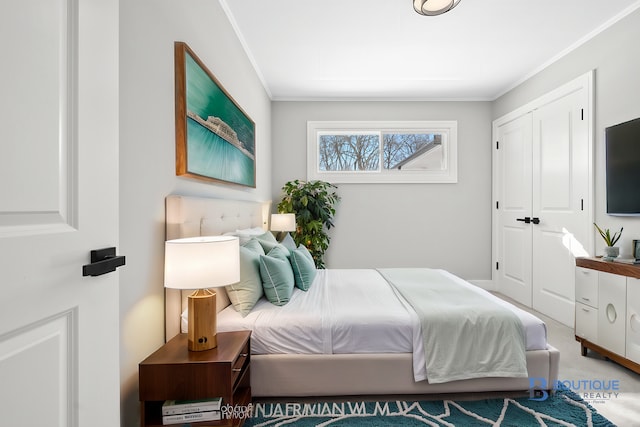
[
  {"x": 606, "y": 235},
  {"x": 313, "y": 203}
]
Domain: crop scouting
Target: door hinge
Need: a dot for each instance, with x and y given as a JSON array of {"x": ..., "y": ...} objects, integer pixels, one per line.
[
  {"x": 581, "y": 204},
  {"x": 497, "y": 145},
  {"x": 497, "y": 266},
  {"x": 497, "y": 205},
  {"x": 582, "y": 114}
]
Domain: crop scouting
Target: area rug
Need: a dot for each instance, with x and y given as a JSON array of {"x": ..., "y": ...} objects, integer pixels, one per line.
[{"x": 564, "y": 408}]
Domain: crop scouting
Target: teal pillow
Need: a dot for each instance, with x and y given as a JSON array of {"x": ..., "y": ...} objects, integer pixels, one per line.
[
  {"x": 304, "y": 269},
  {"x": 268, "y": 242},
  {"x": 269, "y": 246},
  {"x": 254, "y": 245},
  {"x": 277, "y": 276},
  {"x": 267, "y": 237},
  {"x": 288, "y": 242},
  {"x": 245, "y": 294}
]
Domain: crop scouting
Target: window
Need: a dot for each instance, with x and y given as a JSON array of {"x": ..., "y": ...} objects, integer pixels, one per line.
[{"x": 392, "y": 152}]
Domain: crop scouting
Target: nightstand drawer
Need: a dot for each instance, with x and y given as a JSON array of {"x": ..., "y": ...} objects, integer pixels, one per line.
[
  {"x": 241, "y": 364},
  {"x": 587, "y": 286}
]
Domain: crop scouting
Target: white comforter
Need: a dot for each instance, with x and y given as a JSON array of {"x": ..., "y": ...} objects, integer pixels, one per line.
[{"x": 350, "y": 311}]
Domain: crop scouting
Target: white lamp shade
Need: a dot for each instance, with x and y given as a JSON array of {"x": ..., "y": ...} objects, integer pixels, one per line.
[
  {"x": 201, "y": 262},
  {"x": 283, "y": 222}
]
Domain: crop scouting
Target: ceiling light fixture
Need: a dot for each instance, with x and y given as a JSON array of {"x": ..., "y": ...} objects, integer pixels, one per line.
[{"x": 434, "y": 7}]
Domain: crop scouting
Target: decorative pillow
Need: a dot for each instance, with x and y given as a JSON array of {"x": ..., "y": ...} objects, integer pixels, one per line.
[
  {"x": 268, "y": 241},
  {"x": 254, "y": 245},
  {"x": 245, "y": 234},
  {"x": 288, "y": 242},
  {"x": 267, "y": 237},
  {"x": 277, "y": 276},
  {"x": 304, "y": 268},
  {"x": 245, "y": 294}
]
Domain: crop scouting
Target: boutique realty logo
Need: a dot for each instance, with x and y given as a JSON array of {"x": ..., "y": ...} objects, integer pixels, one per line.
[{"x": 594, "y": 390}]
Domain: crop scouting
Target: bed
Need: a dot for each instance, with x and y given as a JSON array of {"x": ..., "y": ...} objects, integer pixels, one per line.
[{"x": 324, "y": 356}]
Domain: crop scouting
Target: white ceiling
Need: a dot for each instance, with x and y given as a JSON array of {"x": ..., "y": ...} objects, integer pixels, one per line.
[{"x": 382, "y": 49}]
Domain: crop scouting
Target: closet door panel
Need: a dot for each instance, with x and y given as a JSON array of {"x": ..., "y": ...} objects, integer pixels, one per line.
[
  {"x": 558, "y": 166},
  {"x": 514, "y": 234}
]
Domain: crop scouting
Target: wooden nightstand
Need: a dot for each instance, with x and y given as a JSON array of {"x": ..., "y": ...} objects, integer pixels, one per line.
[{"x": 175, "y": 373}]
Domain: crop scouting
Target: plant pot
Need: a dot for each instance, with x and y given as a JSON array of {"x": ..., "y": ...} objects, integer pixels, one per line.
[{"x": 611, "y": 252}]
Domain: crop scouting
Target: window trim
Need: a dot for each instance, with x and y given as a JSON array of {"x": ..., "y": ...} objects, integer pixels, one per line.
[{"x": 449, "y": 174}]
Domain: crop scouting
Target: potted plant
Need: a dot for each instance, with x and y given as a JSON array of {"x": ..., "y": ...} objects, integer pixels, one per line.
[
  {"x": 313, "y": 202},
  {"x": 610, "y": 251}
]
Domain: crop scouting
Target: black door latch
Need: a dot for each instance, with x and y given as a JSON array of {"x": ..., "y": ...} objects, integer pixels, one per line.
[{"x": 103, "y": 261}]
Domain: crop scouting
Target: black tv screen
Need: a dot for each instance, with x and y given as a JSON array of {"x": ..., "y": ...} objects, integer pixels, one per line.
[{"x": 623, "y": 168}]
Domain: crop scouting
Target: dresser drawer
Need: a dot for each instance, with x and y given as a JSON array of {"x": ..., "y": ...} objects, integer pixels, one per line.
[
  {"x": 587, "y": 322},
  {"x": 587, "y": 286}
]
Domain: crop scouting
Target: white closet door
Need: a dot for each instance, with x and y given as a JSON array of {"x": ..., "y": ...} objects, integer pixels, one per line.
[
  {"x": 514, "y": 205},
  {"x": 560, "y": 186},
  {"x": 543, "y": 171}
]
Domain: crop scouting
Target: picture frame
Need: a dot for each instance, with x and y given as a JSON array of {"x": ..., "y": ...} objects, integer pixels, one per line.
[{"x": 215, "y": 138}]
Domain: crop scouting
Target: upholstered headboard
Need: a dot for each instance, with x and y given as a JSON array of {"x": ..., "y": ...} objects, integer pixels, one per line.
[{"x": 194, "y": 216}]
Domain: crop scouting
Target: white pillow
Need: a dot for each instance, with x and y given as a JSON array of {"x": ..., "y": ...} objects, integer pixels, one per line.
[{"x": 245, "y": 234}]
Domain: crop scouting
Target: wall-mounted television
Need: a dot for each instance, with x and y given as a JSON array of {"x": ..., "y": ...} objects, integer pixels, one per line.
[{"x": 622, "y": 143}]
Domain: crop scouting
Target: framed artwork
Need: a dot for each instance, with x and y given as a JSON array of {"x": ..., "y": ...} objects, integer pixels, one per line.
[{"x": 215, "y": 138}]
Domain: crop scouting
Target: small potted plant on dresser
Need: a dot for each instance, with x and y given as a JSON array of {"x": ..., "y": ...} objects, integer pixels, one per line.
[{"x": 610, "y": 251}]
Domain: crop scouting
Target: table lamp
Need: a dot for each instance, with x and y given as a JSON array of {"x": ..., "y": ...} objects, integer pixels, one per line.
[
  {"x": 283, "y": 223},
  {"x": 200, "y": 263}
]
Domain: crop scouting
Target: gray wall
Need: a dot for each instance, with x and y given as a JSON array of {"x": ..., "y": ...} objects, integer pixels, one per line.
[
  {"x": 615, "y": 56},
  {"x": 395, "y": 225},
  {"x": 438, "y": 224},
  {"x": 148, "y": 29}
]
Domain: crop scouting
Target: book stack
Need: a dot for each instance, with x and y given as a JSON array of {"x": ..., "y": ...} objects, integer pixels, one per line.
[
  {"x": 627, "y": 260},
  {"x": 181, "y": 411}
]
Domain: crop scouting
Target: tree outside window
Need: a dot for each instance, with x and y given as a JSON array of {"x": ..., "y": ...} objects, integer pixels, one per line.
[{"x": 382, "y": 151}]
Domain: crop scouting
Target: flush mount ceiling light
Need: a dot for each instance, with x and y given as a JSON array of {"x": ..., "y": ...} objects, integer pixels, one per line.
[{"x": 434, "y": 7}]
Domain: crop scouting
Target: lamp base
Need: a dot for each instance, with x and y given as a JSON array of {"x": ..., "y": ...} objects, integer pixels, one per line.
[{"x": 202, "y": 320}]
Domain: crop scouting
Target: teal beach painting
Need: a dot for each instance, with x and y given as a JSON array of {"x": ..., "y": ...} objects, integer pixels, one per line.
[{"x": 215, "y": 138}]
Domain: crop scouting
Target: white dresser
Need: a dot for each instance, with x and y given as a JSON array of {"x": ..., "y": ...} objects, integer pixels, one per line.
[{"x": 608, "y": 310}]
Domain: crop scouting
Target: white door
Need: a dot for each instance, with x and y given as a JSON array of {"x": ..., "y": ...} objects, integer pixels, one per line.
[
  {"x": 560, "y": 194},
  {"x": 514, "y": 206},
  {"x": 58, "y": 200},
  {"x": 543, "y": 184}
]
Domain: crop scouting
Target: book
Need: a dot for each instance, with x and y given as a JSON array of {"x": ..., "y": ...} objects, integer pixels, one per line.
[
  {"x": 177, "y": 407},
  {"x": 194, "y": 416}
]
